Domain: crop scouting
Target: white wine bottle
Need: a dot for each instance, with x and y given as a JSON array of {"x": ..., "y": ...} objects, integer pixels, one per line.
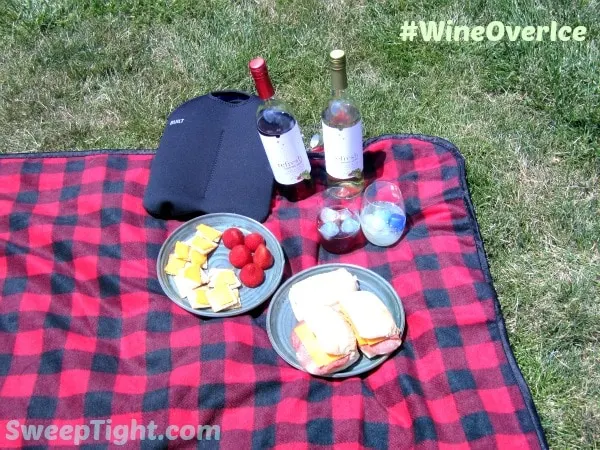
[{"x": 342, "y": 133}]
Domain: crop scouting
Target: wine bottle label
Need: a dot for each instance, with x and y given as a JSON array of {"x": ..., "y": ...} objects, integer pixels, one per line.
[
  {"x": 343, "y": 151},
  {"x": 287, "y": 156}
]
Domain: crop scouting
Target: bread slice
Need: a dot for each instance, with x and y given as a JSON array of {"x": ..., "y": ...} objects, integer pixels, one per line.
[
  {"x": 332, "y": 331},
  {"x": 324, "y": 289}
]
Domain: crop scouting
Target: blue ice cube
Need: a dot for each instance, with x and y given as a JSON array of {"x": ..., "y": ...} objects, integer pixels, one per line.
[
  {"x": 329, "y": 230},
  {"x": 397, "y": 222},
  {"x": 350, "y": 226}
]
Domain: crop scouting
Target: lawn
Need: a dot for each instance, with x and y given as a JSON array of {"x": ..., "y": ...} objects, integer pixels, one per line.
[{"x": 526, "y": 116}]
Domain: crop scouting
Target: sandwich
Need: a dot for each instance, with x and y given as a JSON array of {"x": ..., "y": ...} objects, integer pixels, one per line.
[
  {"x": 324, "y": 289},
  {"x": 324, "y": 342},
  {"x": 374, "y": 327}
]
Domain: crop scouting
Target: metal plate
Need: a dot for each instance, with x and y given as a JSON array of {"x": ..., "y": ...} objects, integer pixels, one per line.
[
  {"x": 281, "y": 320},
  {"x": 250, "y": 298}
]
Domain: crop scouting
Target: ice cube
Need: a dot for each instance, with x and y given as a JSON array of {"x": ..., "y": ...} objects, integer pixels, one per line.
[
  {"x": 397, "y": 222},
  {"x": 329, "y": 230},
  {"x": 350, "y": 226},
  {"x": 374, "y": 222},
  {"x": 344, "y": 214},
  {"x": 384, "y": 214},
  {"x": 329, "y": 215}
]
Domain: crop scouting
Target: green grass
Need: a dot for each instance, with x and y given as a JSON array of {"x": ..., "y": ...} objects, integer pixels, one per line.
[{"x": 105, "y": 74}]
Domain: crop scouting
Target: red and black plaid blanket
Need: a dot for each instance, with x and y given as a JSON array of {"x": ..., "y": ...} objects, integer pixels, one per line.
[{"x": 87, "y": 338}]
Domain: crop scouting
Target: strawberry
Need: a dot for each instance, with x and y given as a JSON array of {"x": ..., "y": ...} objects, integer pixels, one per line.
[
  {"x": 232, "y": 237},
  {"x": 239, "y": 256},
  {"x": 263, "y": 257},
  {"x": 251, "y": 275},
  {"x": 253, "y": 240}
]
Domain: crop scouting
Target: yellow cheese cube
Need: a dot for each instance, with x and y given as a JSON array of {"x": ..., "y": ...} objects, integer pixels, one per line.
[
  {"x": 194, "y": 273},
  {"x": 182, "y": 250},
  {"x": 209, "y": 233},
  {"x": 174, "y": 265},
  {"x": 197, "y": 258},
  {"x": 223, "y": 276},
  {"x": 202, "y": 245},
  {"x": 221, "y": 297},
  {"x": 198, "y": 298}
]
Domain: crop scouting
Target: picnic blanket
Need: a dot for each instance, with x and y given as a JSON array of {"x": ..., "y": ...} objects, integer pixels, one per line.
[{"x": 87, "y": 337}]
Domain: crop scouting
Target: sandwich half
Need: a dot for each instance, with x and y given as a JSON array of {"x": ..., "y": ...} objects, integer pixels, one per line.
[
  {"x": 324, "y": 342},
  {"x": 324, "y": 289},
  {"x": 373, "y": 325}
]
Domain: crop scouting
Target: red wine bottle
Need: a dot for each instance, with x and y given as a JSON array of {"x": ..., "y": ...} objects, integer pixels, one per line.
[{"x": 281, "y": 138}]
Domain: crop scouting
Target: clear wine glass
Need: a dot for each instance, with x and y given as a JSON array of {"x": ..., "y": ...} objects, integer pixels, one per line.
[{"x": 382, "y": 215}]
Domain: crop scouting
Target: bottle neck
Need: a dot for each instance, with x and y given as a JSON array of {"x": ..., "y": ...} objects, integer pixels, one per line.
[
  {"x": 265, "y": 90},
  {"x": 262, "y": 81},
  {"x": 338, "y": 93},
  {"x": 339, "y": 82}
]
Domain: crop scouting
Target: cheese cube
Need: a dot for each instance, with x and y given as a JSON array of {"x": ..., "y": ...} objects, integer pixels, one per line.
[
  {"x": 202, "y": 245},
  {"x": 174, "y": 265},
  {"x": 182, "y": 250},
  {"x": 223, "y": 276},
  {"x": 198, "y": 298},
  {"x": 208, "y": 232},
  {"x": 198, "y": 259},
  {"x": 221, "y": 297}
]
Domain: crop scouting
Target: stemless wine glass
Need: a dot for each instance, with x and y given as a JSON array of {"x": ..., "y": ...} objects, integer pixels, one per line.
[
  {"x": 382, "y": 214},
  {"x": 338, "y": 222}
]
